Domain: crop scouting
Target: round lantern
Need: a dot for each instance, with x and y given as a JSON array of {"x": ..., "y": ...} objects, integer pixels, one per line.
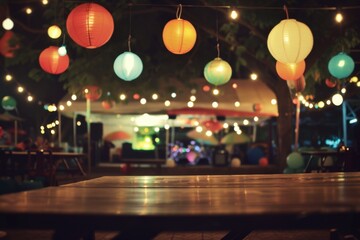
[
  {"x": 8, "y": 103},
  {"x": 212, "y": 125},
  {"x": 90, "y": 25},
  {"x": 54, "y": 32},
  {"x": 217, "y": 72},
  {"x": 330, "y": 83},
  {"x": 51, "y": 62},
  {"x": 92, "y": 93},
  {"x": 257, "y": 107},
  {"x": 107, "y": 104},
  {"x": 297, "y": 85},
  {"x": 341, "y": 65},
  {"x": 179, "y": 36},
  {"x": 128, "y": 66},
  {"x": 8, "y": 44},
  {"x": 290, "y": 41},
  {"x": 290, "y": 71}
]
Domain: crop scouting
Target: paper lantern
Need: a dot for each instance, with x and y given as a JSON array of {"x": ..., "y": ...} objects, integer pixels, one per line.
[
  {"x": 290, "y": 41},
  {"x": 257, "y": 107},
  {"x": 212, "y": 125},
  {"x": 297, "y": 85},
  {"x": 341, "y": 65},
  {"x": 128, "y": 66},
  {"x": 92, "y": 92},
  {"x": 329, "y": 83},
  {"x": 8, "y": 103},
  {"x": 90, "y": 25},
  {"x": 179, "y": 36},
  {"x": 290, "y": 71},
  {"x": 108, "y": 104},
  {"x": 7, "y": 46},
  {"x": 217, "y": 72},
  {"x": 295, "y": 160},
  {"x": 51, "y": 62}
]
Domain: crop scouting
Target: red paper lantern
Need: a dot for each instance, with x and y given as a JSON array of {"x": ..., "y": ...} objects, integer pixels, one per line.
[
  {"x": 6, "y": 48},
  {"x": 290, "y": 71},
  {"x": 330, "y": 83},
  {"x": 92, "y": 93},
  {"x": 90, "y": 25},
  {"x": 257, "y": 107},
  {"x": 51, "y": 62},
  {"x": 107, "y": 104},
  {"x": 212, "y": 125},
  {"x": 297, "y": 85}
]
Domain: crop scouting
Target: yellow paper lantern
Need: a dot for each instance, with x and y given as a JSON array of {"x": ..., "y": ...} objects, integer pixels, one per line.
[
  {"x": 290, "y": 71},
  {"x": 179, "y": 36},
  {"x": 290, "y": 41}
]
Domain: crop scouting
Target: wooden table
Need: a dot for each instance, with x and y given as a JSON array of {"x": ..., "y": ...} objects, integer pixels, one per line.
[{"x": 142, "y": 206}]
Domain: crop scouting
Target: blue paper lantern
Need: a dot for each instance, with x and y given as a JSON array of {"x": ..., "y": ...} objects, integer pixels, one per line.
[
  {"x": 128, "y": 66},
  {"x": 341, "y": 65},
  {"x": 217, "y": 72}
]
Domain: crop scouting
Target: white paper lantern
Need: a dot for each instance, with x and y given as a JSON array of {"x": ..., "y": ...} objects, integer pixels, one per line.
[{"x": 290, "y": 41}]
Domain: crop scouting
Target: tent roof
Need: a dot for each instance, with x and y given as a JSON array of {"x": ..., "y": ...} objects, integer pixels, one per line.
[{"x": 247, "y": 93}]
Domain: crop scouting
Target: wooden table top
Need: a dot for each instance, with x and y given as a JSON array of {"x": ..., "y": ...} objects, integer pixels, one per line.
[{"x": 188, "y": 202}]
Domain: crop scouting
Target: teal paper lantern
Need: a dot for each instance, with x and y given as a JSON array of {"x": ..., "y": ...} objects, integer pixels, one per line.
[
  {"x": 341, "y": 65},
  {"x": 128, "y": 66},
  {"x": 217, "y": 72},
  {"x": 8, "y": 103}
]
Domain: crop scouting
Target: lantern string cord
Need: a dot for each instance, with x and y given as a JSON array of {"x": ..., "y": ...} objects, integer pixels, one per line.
[
  {"x": 218, "y": 50},
  {"x": 179, "y": 11},
  {"x": 286, "y": 12},
  {"x": 217, "y": 36},
  {"x": 129, "y": 42}
]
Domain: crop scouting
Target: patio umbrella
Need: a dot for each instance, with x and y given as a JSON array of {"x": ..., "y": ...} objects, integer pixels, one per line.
[
  {"x": 118, "y": 135},
  {"x": 234, "y": 138},
  {"x": 202, "y": 138},
  {"x": 8, "y": 117}
]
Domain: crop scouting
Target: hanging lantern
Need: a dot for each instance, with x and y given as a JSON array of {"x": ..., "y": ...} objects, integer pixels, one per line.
[
  {"x": 329, "y": 83},
  {"x": 92, "y": 92},
  {"x": 90, "y": 25},
  {"x": 7, "y": 46},
  {"x": 8, "y": 103},
  {"x": 108, "y": 104},
  {"x": 341, "y": 65},
  {"x": 290, "y": 71},
  {"x": 213, "y": 125},
  {"x": 290, "y": 41},
  {"x": 179, "y": 35},
  {"x": 257, "y": 107},
  {"x": 128, "y": 66},
  {"x": 217, "y": 72},
  {"x": 297, "y": 85},
  {"x": 54, "y": 32},
  {"x": 51, "y": 62}
]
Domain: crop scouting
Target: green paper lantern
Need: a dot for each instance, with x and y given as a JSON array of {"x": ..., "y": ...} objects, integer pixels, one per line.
[
  {"x": 341, "y": 65},
  {"x": 8, "y": 103},
  {"x": 295, "y": 160},
  {"x": 217, "y": 72},
  {"x": 128, "y": 66}
]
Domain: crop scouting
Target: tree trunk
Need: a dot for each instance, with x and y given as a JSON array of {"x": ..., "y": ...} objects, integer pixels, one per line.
[{"x": 284, "y": 124}]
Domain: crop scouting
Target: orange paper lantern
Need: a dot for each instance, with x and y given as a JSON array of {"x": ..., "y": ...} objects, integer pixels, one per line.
[
  {"x": 51, "y": 62},
  {"x": 179, "y": 36},
  {"x": 90, "y": 25},
  {"x": 212, "y": 125},
  {"x": 290, "y": 71}
]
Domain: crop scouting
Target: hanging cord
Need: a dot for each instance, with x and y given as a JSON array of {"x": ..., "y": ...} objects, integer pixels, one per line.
[
  {"x": 130, "y": 23},
  {"x": 179, "y": 11},
  {"x": 286, "y": 12},
  {"x": 217, "y": 37}
]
